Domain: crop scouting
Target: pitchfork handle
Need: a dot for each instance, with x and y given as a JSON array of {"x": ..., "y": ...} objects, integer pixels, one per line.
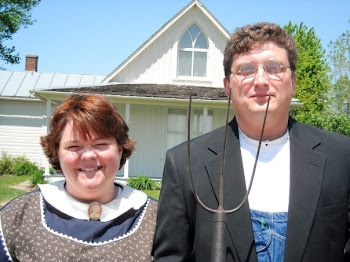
[{"x": 218, "y": 248}]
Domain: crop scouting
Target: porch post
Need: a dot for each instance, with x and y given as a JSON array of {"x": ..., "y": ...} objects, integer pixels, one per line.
[
  {"x": 205, "y": 120},
  {"x": 46, "y": 122},
  {"x": 127, "y": 120}
]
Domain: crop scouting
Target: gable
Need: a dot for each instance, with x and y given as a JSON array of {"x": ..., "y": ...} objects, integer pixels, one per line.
[{"x": 156, "y": 61}]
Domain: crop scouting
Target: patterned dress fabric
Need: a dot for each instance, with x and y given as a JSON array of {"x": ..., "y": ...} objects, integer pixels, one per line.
[{"x": 26, "y": 235}]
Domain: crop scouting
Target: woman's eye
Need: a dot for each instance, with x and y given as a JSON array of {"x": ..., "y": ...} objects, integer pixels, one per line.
[
  {"x": 101, "y": 145},
  {"x": 73, "y": 147}
]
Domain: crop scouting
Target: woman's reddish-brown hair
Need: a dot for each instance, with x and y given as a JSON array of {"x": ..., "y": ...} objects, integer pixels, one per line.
[{"x": 89, "y": 113}]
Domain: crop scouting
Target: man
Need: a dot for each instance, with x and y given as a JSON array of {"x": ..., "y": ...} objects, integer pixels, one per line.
[{"x": 297, "y": 209}]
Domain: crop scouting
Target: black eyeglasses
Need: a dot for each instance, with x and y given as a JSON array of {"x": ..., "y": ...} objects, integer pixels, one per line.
[{"x": 271, "y": 67}]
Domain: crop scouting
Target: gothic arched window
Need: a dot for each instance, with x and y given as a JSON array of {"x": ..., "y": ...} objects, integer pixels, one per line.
[{"x": 193, "y": 49}]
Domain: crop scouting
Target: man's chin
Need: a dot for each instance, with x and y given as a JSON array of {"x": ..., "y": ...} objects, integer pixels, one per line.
[{"x": 261, "y": 107}]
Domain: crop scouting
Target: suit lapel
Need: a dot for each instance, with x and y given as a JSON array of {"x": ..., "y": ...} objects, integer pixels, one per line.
[
  {"x": 307, "y": 167},
  {"x": 240, "y": 232}
]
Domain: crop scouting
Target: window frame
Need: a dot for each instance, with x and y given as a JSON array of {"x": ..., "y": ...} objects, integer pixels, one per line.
[{"x": 193, "y": 50}]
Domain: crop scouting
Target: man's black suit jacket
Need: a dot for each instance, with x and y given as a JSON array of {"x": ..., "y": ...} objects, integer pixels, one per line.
[{"x": 318, "y": 225}]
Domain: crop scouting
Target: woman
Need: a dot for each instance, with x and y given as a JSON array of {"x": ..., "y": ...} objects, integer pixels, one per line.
[{"x": 86, "y": 216}]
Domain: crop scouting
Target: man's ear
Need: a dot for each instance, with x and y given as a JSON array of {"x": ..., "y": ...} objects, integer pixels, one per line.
[
  {"x": 294, "y": 83},
  {"x": 227, "y": 86}
]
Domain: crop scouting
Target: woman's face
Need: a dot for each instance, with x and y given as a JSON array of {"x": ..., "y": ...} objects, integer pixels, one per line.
[{"x": 89, "y": 165}]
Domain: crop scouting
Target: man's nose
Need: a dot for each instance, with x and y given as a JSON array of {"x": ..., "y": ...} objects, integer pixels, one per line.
[{"x": 260, "y": 76}]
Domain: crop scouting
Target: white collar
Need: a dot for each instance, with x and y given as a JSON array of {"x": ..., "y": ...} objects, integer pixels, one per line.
[
  {"x": 245, "y": 140},
  {"x": 127, "y": 198}
]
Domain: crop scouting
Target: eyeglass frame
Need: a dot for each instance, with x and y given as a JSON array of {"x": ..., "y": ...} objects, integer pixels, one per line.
[{"x": 264, "y": 67}]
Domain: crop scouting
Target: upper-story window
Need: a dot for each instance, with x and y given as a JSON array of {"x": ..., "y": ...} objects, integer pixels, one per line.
[{"x": 193, "y": 51}]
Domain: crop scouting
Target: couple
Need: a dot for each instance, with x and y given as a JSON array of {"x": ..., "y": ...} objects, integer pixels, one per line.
[{"x": 297, "y": 209}]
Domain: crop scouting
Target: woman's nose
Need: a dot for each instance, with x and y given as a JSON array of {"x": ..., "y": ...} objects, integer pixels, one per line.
[{"x": 88, "y": 152}]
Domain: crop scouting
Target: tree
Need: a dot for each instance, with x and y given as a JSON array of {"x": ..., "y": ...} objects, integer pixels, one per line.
[
  {"x": 314, "y": 85},
  {"x": 14, "y": 14},
  {"x": 328, "y": 120},
  {"x": 312, "y": 79},
  {"x": 339, "y": 59}
]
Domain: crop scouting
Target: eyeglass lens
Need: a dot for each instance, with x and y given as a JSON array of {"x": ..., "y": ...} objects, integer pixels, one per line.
[{"x": 271, "y": 67}]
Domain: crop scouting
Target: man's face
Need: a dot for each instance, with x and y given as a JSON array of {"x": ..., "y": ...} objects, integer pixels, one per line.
[{"x": 249, "y": 94}]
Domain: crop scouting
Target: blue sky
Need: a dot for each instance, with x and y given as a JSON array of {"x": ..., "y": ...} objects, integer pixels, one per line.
[{"x": 95, "y": 36}]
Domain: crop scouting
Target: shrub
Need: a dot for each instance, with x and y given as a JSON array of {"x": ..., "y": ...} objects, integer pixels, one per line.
[
  {"x": 5, "y": 164},
  {"x": 16, "y": 161},
  {"x": 16, "y": 165},
  {"x": 20, "y": 166},
  {"x": 38, "y": 178},
  {"x": 24, "y": 167},
  {"x": 143, "y": 183}
]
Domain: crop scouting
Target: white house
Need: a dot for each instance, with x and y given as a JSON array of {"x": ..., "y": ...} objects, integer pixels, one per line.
[{"x": 150, "y": 89}]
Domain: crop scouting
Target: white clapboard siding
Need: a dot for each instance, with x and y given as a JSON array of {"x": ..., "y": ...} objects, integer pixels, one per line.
[
  {"x": 219, "y": 117},
  {"x": 121, "y": 110},
  {"x": 157, "y": 64},
  {"x": 21, "y": 125},
  {"x": 22, "y": 142},
  {"x": 147, "y": 126}
]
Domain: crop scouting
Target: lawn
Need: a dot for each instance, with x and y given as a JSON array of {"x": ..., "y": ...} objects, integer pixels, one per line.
[
  {"x": 6, "y": 192},
  {"x": 152, "y": 193}
]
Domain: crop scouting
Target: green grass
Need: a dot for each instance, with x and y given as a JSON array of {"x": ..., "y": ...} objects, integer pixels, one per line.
[
  {"x": 7, "y": 193},
  {"x": 152, "y": 193}
]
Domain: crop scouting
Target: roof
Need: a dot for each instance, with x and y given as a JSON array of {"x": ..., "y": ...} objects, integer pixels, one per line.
[
  {"x": 18, "y": 84},
  {"x": 152, "y": 90},
  {"x": 148, "y": 93}
]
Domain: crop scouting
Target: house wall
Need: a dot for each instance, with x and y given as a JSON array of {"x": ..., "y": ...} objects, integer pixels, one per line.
[
  {"x": 148, "y": 126},
  {"x": 219, "y": 117},
  {"x": 21, "y": 125},
  {"x": 121, "y": 109},
  {"x": 157, "y": 64}
]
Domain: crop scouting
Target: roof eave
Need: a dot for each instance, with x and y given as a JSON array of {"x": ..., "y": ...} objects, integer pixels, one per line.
[
  {"x": 56, "y": 95},
  {"x": 19, "y": 98}
]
